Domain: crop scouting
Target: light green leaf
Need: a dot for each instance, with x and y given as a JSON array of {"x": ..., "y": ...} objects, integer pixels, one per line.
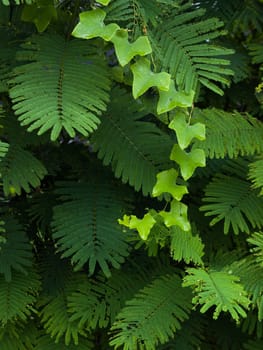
[
  {"x": 166, "y": 182},
  {"x": 125, "y": 51},
  {"x": 143, "y": 226},
  {"x": 104, "y": 2},
  {"x": 176, "y": 216},
  {"x": 172, "y": 98},
  {"x": 185, "y": 132},
  {"x": 188, "y": 161},
  {"x": 91, "y": 25},
  {"x": 144, "y": 78},
  {"x": 217, "y": 289}
]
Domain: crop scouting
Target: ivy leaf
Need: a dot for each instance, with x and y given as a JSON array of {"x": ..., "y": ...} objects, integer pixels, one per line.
[
  {"x": 103, "y": 2},
  {"x": 40, "y": 14},
  {"x": 125, "y": 51},
  {"x": 176, "y": 216},
  {"x": 188, "y": 161},
  {"x": 166, "y": 182},
  {"x": 172, "y": 98},
  {"x": 186, "y": 133},
  {"x": 144, "y": 78},
  {"x": 91, "y": 25},
  {"x": 143, "y": 226}
]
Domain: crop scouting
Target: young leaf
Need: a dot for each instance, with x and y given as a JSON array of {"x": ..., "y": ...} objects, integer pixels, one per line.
[
  {"x": 176, "y": 216},
  {"x": 185, "y": 132},
  {"x": 188, "y": 161},
  {"x": 166, "y": 182},
  {"x": 92, "y": 25},
  {"x": 144, "y": 78},
  {"x": 143, "y": 226},
  {"x": 125, "y": 51},
  {"x": 172, "y": 98}
]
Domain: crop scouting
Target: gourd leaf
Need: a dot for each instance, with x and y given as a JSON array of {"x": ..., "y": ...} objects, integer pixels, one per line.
[
  {"x": 217, "y": 289},
  {"x": 143, "y": 226},
  {"x": 176, "y": 216},
  {"x": 125, "y": 50},
  {"x": 172, "y": 98},
  {"x": 104, "y": 2},
  {"x": 144, "y": 78},
  {"x": 41, "y": 13},
  {"x": 185, "y": 132},
  {"x": 91, "y": 25},
  {"x": 188, "y": 161},
  {"x": 166, "y": 183}
]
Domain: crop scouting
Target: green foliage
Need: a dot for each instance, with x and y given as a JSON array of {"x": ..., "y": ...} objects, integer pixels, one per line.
[
  {"x": 163, "y": 298},
  {"x": 231, "y": 199},
  {"x": 131, "y": 174},
  {"x": 59, "y": 65}
]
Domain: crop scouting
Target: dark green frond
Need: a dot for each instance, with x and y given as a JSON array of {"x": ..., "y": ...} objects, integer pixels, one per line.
[
  {"x": 20, "y": 170},
  {"x": 86, "y": 227},
  {"x": 185, "y": 246},
  {"x": 140, "y": 324},
  {"x": 217, "y": 289},
  {"x": 255, "y": 174},
  {"x": 229, "y": 134},
  {"x": 257, "y": 241},
  {"x": 136, "y": 149},
  {"x": 232, "y": 200},
  {"x": 3, "y": 149},
  {"x": 44, "y": 342},
  {"x": 256, "y": 51},
  {"x": 185, "y": 43},
  {"x": 16, "y": 336},
  {"x": 256, "y": 344},
  {"x": 67, "y": 79},
  {"x": 18, "y": 2},
  {"x": 18, "y": 296},
  {"x": 16, "y": 251}
]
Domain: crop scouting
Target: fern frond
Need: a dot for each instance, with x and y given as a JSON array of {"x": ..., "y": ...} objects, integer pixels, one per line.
[
  {"x": 185, "y": 246},
  {"x": 86, "y": 227},
  {"x": 256, "y": 239},
  {"x": 232, "y": 200},
  {"x": 44, "y": 342},
  {"x": 16, "y": 251},
  {"x": 187, "y": 54},
  {"x": 140, "y": 323},
  {"x": 237, "y": 15},
  {"x": 14, "y": 170},
  {"x": 229, "y": 134},
  {"x": 136, "y": 149},
  {"x": 18, "y": 2},
  {"x": 255, "y": 174},
  {"x": 3, "y": 149},
  {"x": 18, "y": 336},
  {"x": 97, "y": 301},
  {"x": 189, "y": 337},
  {"x": 256, "y": 51},
  {"x": 56, "y": 319},
  {"x": 251, "y": 277},
  {"x": 217, "y": 289},
  {"x": 256, "y": 344},
  {"x": 18, "y": 296},
  {"x": 67, "y": 79}
]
